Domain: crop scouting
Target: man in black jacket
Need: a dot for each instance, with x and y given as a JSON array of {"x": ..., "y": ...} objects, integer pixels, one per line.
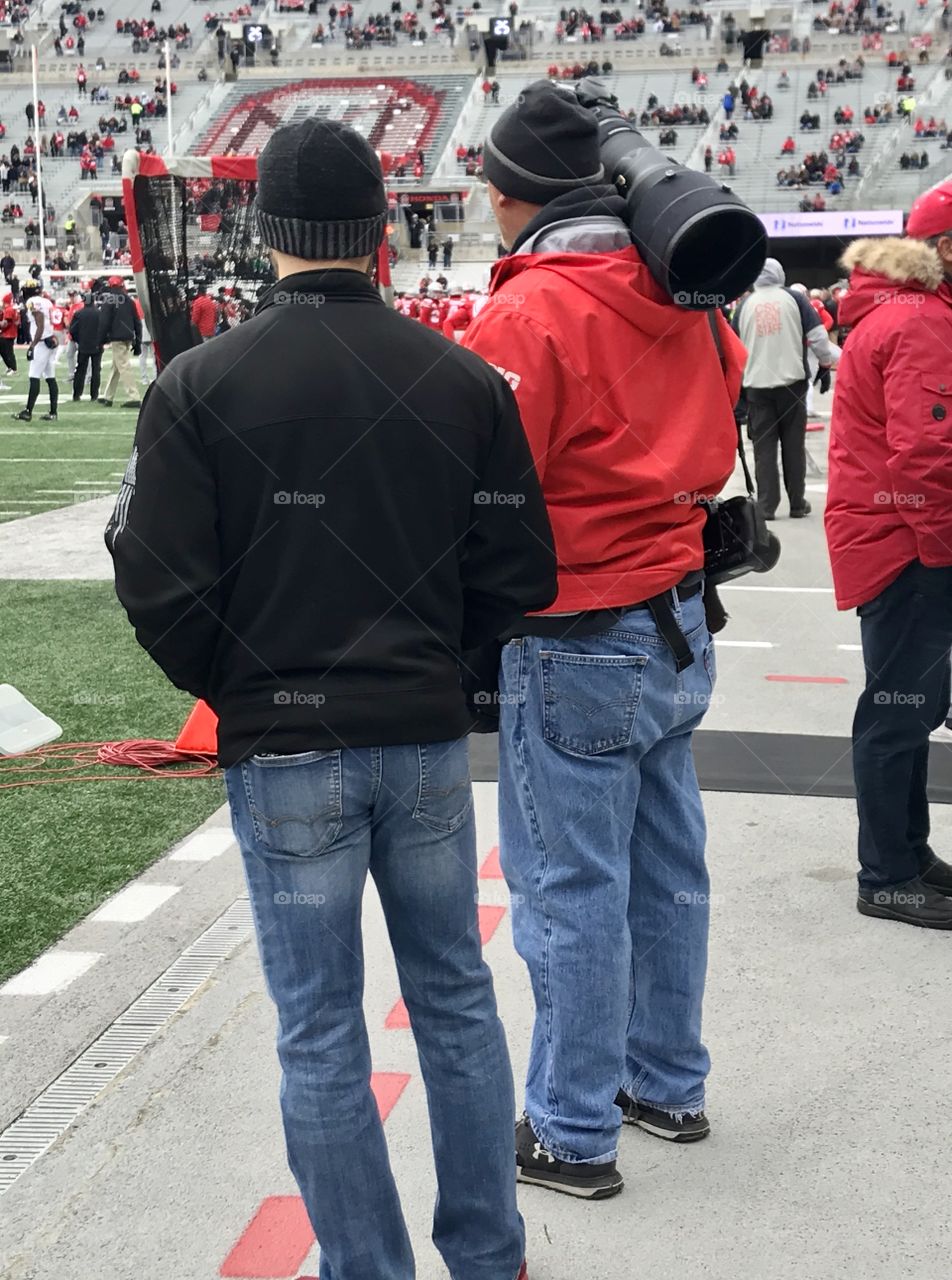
[
  {"x": 85, "y": 329},
  {"x": 323, "y": 510},
  {"x": 122, "y": 333}
]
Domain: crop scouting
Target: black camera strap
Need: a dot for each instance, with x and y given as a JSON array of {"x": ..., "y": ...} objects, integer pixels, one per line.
[{"x": 716, "y": 334}]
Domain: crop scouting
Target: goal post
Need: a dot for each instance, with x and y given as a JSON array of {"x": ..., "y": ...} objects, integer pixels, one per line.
[{"x": 191, "y": 220}]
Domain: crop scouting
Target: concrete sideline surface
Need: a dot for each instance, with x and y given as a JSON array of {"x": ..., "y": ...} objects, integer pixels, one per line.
[{"x": 829, "y": 1158}]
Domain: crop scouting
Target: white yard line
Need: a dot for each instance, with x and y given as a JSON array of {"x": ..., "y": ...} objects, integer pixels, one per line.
[
  {"x": 52, "y": 972},
  {"x": 743, "y": 644},
  {"x": 135, "y": 902},
  {"x": 204, "y": 845}
]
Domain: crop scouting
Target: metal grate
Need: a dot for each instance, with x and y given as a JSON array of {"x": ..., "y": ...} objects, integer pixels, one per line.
[{"x": 54, "y": 1110}]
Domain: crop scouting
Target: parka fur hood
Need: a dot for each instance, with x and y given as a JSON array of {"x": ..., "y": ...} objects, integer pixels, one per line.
[{"x": 898, "y": 260}]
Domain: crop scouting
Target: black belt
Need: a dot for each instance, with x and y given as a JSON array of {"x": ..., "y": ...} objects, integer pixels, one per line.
[{"x": 594, "y": 622}]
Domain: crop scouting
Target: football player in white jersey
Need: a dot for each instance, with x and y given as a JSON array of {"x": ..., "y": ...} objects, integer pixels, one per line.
[{"x": 41, "y": 353}]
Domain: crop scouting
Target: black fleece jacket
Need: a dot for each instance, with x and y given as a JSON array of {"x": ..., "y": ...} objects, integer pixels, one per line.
[{"x": 324, "y": 508}]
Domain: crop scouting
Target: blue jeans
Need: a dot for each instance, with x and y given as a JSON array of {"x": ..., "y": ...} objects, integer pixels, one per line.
[
  {"x": 310, "y": 827},
  {"x": 602, "y": 844}
]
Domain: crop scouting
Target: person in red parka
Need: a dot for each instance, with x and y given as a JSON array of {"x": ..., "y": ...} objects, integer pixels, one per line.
[
  {"x": 204, "y": 313},
  {"x": 889, "y": 532},
  {"x": 9, "y": 328},
  {"x": 629, "y": 417}
]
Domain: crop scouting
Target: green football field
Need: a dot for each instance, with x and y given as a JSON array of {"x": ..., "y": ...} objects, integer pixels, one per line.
[
  {"x": 44, "y": 465},
  {"x": 65, "y": 846}
]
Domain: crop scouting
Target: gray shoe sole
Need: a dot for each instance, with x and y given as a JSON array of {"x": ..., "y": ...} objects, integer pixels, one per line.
[{"x": 891, "y": 913}]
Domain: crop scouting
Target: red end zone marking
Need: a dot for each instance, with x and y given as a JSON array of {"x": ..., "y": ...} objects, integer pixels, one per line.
[
  {"x": 279, "y": 1237},
  {"x": 398, "y": 1019},
  {"x": 489, "y": 918},
  {"x": 387, "y": 1087},
  {"x": 275, "y": 1242},
  {"x": 809, "y": 679},
  {"x": 491, "y": 870}
]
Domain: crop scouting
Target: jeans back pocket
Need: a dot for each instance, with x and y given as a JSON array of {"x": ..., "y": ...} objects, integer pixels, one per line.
[
  {"x": 445, "y": 797},
  {"x": 295, "y": 802},
  {"x": 590, "y": 700}
]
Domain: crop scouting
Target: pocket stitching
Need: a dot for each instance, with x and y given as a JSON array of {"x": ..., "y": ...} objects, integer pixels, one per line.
[{"x": 265, "y": 827}]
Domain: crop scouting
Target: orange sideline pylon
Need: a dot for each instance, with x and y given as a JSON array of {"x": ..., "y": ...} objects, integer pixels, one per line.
[{"x": 200, "y": 731}]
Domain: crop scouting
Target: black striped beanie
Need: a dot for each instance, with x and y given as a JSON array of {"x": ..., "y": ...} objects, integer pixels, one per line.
[{"x": 320, "y": 192}]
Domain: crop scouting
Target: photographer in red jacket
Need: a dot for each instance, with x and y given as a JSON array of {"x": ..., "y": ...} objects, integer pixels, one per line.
[
  {"x": 630, "y": 421},
  {"x": 889, "y": 530}
]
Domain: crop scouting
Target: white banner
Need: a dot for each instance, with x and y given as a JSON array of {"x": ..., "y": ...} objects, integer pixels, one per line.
[{"x": 846, "y": 222}]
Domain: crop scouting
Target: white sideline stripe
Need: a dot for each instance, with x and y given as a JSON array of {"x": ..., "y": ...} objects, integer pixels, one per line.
[
  {"x": 80, "y": 493},
  {"x": 52, "y": 972},
  {"x": 204, "y": 845},
  {"x": 822, "y": 591},
  {"x": 744, "y": 644},
  {"x": 851, "y": 648},
  {"x": 135, "y": 902},
  {"x": 63, "y": 461},
  {"x": 58, "y": 431}
]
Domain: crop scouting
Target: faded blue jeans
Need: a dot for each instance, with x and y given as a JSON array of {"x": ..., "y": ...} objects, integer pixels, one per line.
[
  {"x": 310, "y": 827},
  {"x": 601, "y": 835}
]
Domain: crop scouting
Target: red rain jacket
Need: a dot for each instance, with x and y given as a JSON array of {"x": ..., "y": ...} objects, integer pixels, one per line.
[{"x": 627, "y": 411}]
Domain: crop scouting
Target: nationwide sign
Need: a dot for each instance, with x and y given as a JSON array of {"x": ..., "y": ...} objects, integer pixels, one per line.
[{"x": 849, "y": 222}]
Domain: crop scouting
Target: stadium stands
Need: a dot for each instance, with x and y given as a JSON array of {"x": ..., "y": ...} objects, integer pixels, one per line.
[{"x": 400, "y": 117}]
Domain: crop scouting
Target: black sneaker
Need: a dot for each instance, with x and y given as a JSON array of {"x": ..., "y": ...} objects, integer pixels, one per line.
[
  {"x": 690, "y": 1126},
  {"x": 937, "y": 875},
  {"x": 49, "y": 417},
  {"x": 23, "y": 416},
  {"x": 797, "y": 513},
  {"x": 914, "y": 902},
  {"x": 131, "y": 404},
  {"x": 535, "y": 1164},
  {"x": 107, "y": 403}
]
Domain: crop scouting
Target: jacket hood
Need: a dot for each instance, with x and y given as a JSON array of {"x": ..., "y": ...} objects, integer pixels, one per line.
[
  {"x": 883, "y": 267},
  {"x": 771, "y": 273},
  {"x": 580, "y": 241}
]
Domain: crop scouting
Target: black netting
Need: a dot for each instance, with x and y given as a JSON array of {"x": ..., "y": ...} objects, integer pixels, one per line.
[{"x": 197, "y": 231}]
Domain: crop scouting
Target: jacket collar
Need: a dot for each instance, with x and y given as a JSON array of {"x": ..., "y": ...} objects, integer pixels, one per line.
[
  {"x": 305, "y": 286},
  {"x": 588, "y": 220}
]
